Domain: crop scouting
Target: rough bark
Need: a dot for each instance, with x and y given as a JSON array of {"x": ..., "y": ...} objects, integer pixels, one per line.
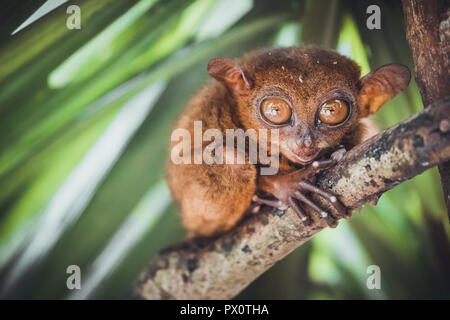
[
  {"x": 428, "y": 34},
  {"x": 220, "y": 268}
]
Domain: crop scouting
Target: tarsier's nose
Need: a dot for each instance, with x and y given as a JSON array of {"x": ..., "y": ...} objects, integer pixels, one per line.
[
  {"x": 307, "y": 141},
  {"x": 304, "y": 141},
  {"x": 304, "y": 138}
]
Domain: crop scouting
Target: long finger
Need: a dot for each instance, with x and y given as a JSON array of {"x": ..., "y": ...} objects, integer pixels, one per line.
[
  {"x": 304, "y": 199},
  {"x": 326, "y": 195},
  {"x": 298, "y": 210},
  {"x": 272, "y": 203},
  {"x": 323, "y": 164}
]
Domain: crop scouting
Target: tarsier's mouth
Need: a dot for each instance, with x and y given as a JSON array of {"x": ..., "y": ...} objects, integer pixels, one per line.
[{"x": 303, "y": 158}]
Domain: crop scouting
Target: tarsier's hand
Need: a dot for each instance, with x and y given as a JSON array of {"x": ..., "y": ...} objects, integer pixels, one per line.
[{"x": 294, "y": 189}]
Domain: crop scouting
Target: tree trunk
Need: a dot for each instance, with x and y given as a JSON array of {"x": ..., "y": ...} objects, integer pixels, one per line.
[{"x": 428, "y": 34}]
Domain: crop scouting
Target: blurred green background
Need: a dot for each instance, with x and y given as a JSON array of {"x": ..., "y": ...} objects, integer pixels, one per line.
[{"x": 85, "y": 121}]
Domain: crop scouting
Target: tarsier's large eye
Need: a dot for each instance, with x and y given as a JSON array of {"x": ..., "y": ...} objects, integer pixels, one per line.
[
  {"x": 276, "y": 110},
  {"x": 333, "y": 111}
]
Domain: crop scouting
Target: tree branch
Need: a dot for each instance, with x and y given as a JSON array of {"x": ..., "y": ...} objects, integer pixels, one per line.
[{"x": 220, "y": 268}]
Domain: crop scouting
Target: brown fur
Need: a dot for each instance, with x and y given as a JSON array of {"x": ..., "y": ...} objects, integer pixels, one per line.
[{"x": 213, "y": 198}]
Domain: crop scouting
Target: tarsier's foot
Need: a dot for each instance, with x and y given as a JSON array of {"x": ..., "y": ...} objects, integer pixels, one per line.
[{"x": 294, "y": 190}]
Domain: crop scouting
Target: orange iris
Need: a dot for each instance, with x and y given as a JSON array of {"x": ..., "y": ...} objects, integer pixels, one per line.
[
  {"x": 276, "y": 110},
  {"x": 333, "y": 112}
]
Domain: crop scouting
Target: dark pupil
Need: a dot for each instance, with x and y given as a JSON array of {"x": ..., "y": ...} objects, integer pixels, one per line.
[
  {"x": 274, "y": 109},
  {"x": 328, "y": 110}
]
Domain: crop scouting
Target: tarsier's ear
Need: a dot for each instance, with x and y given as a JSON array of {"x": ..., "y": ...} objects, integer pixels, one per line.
[
  {"x": 380, "y": 86},
  {"x": 231, "y": 75}
]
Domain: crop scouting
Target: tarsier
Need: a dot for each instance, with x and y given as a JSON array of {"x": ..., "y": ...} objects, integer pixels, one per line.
[{"x": 319, "y": 104}]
